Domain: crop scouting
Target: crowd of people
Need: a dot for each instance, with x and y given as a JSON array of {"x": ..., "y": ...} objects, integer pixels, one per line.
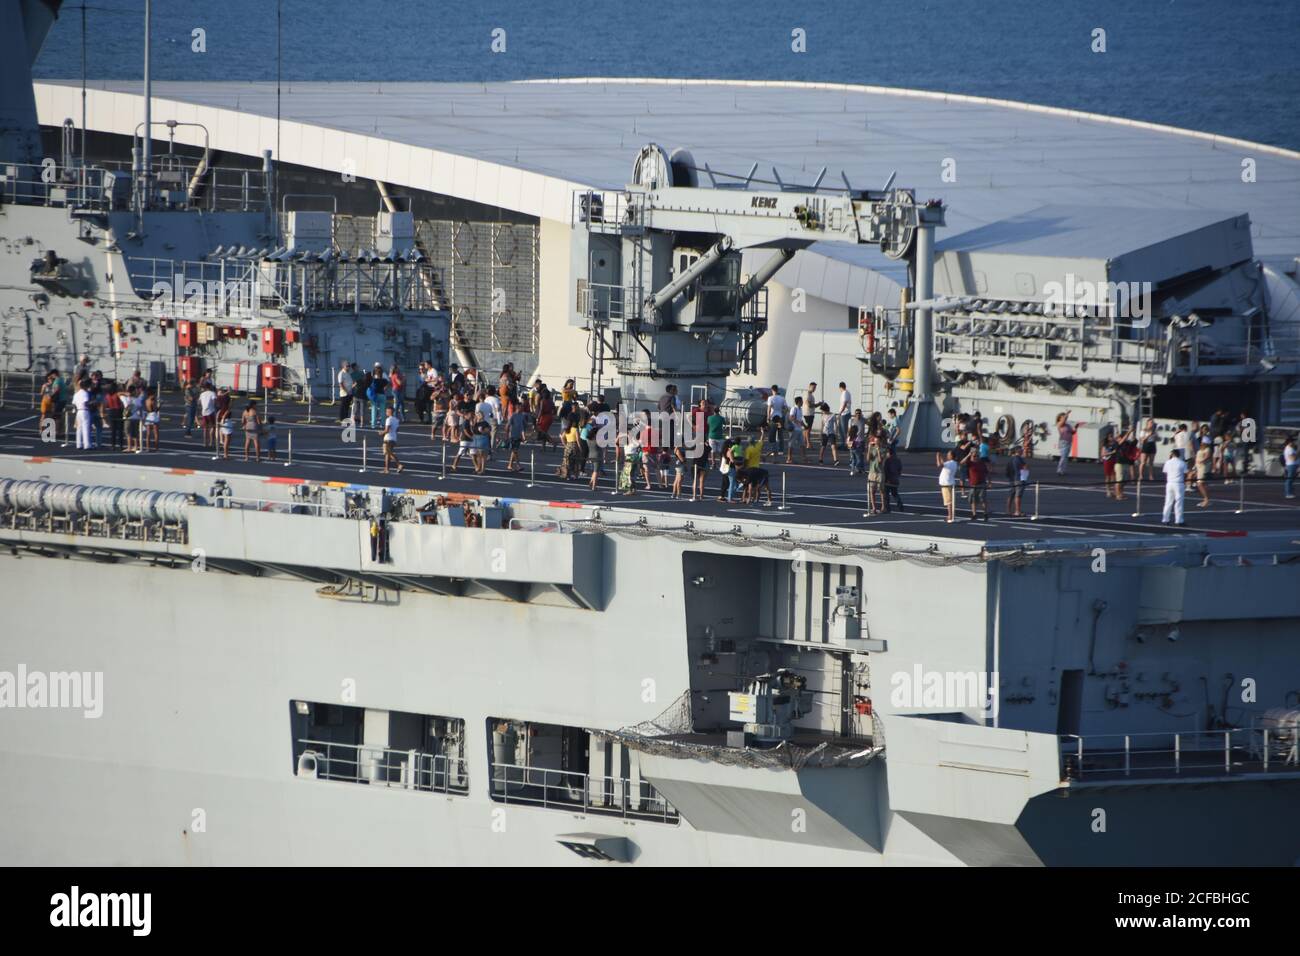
[
  {"x": 130, "y": 413},
  {"x": 477, "y": 415}
]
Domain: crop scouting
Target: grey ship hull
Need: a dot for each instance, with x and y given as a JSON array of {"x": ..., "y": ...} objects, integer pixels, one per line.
[{"x": 192, "y": 761}]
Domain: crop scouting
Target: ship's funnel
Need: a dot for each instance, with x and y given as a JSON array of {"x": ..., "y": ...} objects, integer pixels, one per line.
[{"x": 26, "y": 23}]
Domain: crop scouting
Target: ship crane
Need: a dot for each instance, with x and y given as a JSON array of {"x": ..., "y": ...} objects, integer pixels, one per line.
[{"x": 664, "y": 298}]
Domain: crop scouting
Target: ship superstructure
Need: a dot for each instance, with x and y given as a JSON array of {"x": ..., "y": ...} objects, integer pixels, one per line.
[{"x": 175, "y": 266}]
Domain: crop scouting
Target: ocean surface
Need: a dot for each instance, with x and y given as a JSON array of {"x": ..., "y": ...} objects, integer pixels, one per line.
[{"x": 1223, "y": 66}]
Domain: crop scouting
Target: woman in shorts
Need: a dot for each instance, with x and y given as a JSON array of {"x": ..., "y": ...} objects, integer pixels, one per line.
[
  {"x": 699, "y": 471},
  {"x": 1204, "y": 460},
  {"x": 152, "y": 419},
  {"x": 464, "y": 438},
  {"x": 252, "y": 425},
  {"x": 1147, "y": 450},
  {"x": 225, "y": 431},
  {"x": 830, "y": 424},
  {"x": 482, "y": 445}
]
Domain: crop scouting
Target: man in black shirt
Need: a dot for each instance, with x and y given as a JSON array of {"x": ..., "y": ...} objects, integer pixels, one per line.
[{"x": 893, "y": 473}]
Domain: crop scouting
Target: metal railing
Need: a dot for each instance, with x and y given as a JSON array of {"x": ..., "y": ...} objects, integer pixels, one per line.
[
  {"x": 1059, "y": 341},
  {"x": 83, "y": 187},
  {"x": 582, "y": 792},
  {"x": 1234, "y": 752},
  {"x": 607, "y": 211},
  {"x": 605, "y": 303},
  {"x": 383, "y": 767},
  {"x": 244, "y": 288}
]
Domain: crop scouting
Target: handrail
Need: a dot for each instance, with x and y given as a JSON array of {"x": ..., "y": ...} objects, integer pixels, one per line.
[
  {"x": 407, "y": 769},
  {"x": 615, "y": 796},
  {"x": 1241, "y": 750}
]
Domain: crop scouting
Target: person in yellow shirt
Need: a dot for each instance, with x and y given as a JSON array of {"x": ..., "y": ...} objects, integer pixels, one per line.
[
  {"x": 754, "y": 453},
  {"x": 571, "y": 466}
]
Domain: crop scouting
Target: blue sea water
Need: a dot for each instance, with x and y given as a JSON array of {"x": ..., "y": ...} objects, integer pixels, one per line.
[{"x": 1223, "y": 66}]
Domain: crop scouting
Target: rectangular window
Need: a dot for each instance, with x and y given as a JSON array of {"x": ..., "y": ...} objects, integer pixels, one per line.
[
  {"x": 378, "y": 748},
  {"x": 569, "y": 768}
]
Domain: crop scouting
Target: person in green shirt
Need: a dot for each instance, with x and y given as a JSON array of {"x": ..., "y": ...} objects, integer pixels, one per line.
[
  {"x": 716, "y": 434},
  {"x": 733, "y": 458}
]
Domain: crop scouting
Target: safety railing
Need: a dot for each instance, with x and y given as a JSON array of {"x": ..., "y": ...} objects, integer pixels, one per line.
[
  {"x": 382, "y": 767},
  {"x": 604, "y": 303},
  {"x": 244, "y": 287},
  {"x": 1234, "y": 752},
  {"x": 608, "y": 211},
  {"x": 50, "y": 185},
  {"x": 583, "y": 792},
  {"x": 86, "y": 187},
  {"x": 1028, "y": 339}
]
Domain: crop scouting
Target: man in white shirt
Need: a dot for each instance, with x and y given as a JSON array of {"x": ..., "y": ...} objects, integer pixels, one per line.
[
  {"x": 846, "y": 410},
  {"x": 496, "y": 418},
  {"x": 390, "y": 441},
  {"x": 1181, "y": 440},
  {"x": 1175, "y": 474},
  {"x": 776, "y": 420},
  {"x": 948, "y": 467},
  {"x": 344, "y": 380},
  {"x": 81, "y": 402},
  {"x": 1290, "y": 465},
  {"x": 208, "y": 414},
  {"x": 487, "y": 413}
]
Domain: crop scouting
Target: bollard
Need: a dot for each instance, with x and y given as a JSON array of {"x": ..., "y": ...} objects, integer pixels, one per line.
[
  {"x": 532, "y": 469},
  {"x": 364, "y": 451},
  {"x": 66, "y": 412},
  {"x": 309, "y": 418},
  {"x": 783, "y": 508},
  {"x": 1241, "y": 499},
  {"x": 289, "y": 460},
  {"x": 1037, "y": 490},
  {"x": 443, "y": 476},
  {"x": 1138, "y": 512}
]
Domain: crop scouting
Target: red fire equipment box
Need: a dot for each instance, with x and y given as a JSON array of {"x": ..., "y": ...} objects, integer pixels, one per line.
[{"x": 189, "y": 367}]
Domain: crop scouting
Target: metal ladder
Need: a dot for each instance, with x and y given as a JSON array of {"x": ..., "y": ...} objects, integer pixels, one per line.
[
  {"x": 866, "y": 382},
  {"x": 1145, "y": 406}
]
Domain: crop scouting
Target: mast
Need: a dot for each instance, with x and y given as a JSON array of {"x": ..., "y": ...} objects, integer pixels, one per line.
[{"x": 147, "y": 152}]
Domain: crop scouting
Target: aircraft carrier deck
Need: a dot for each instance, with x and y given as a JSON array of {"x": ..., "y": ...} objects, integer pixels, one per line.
[{"x": 1071, "y": 507}]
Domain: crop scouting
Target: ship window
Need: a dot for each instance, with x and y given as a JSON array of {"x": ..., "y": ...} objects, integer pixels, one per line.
[
  {"x": 397, "y": 749},
  {"x": 569, "y": 768}
]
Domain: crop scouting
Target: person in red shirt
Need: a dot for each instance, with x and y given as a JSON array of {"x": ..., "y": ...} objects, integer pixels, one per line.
[
  {"x": 397, "y": 385},
  {"x": 979, "y": 483},
  {"x": 114, "y": 416}
]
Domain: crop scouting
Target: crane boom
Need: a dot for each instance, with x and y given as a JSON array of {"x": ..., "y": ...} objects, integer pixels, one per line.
[{"x": 664, "y": 296}]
